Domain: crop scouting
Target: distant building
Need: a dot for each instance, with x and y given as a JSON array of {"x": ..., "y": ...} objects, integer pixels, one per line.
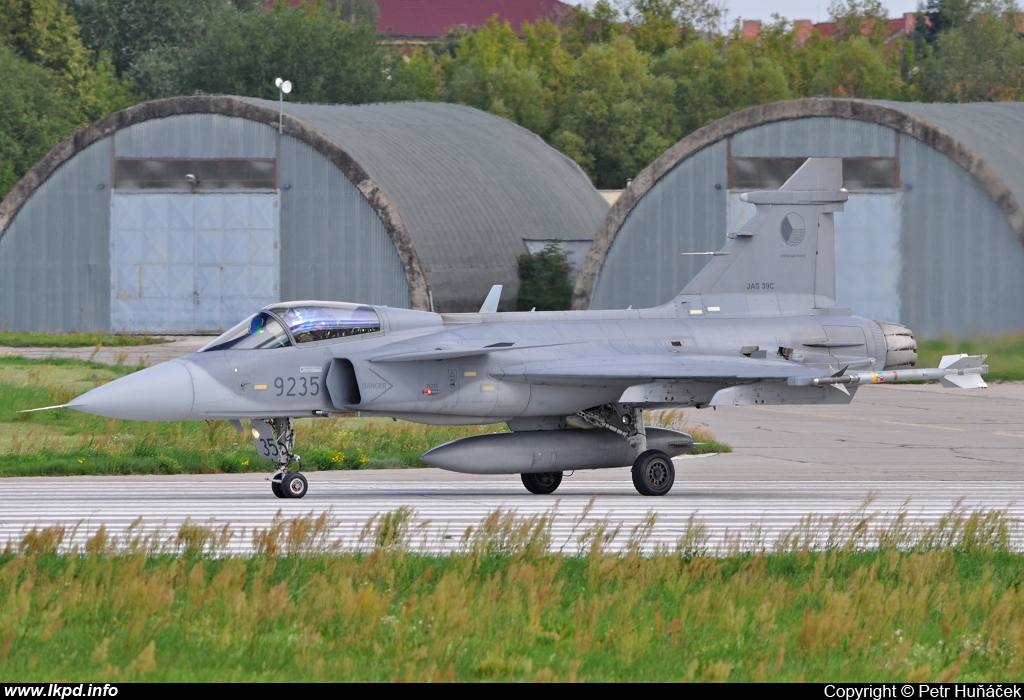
[
  {"x": 900, "y": 26},
  {"x": 430, "y": 19},
  {"x": 184, "y": 215},
  {"x": 932, "y": 235}
]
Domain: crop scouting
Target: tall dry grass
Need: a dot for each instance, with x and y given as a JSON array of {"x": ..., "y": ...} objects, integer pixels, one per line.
[{"x": 922, "y": 603}]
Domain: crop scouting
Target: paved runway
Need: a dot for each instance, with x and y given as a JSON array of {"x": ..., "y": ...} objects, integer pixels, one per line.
[
  {"x": 897, "y": 432},
  {"x": 921, "y": 448},
  {"x": 747, "y": 514}
]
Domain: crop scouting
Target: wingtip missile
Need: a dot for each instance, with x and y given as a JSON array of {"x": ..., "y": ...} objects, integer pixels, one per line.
[{"x": 962, "y": 371}]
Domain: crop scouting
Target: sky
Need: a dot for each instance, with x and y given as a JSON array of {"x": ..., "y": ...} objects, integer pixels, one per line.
[{"x": 814, "y": 10}]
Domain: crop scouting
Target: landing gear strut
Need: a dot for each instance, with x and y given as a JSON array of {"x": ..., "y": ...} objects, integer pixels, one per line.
[
  {"x": 284, "y": 482},
  {"x": 653, "y": 471}
]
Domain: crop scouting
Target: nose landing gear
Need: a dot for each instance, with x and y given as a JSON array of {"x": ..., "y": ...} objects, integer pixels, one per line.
[{"x": 275, "y": 440}]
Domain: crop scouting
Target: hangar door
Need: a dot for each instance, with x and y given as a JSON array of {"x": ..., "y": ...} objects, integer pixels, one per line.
[{"x": 192, "y": 262}]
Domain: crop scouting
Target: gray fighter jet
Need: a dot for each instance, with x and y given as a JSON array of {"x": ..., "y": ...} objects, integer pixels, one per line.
[{"x": 758, "y": 325}]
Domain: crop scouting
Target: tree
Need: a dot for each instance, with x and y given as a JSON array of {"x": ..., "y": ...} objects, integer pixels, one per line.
[
  {"x": 857, "y": 69},
  {"x": 353, "y": 11},
  {"x": 35, "y": 114},
  {"x": 327, "y": 59},
  {"x": 714, "y": 80},
  {"x": 146, "y": 39},
  {"x": 658, "y": 25},
  {"x": 800, "y": 57},
  {"x": 860, "y": 19},
  {"x": 583, "y": 27},
  {"x": 936, "y": 17},
  {"x": 617, "y": 115},
  {"x": 544, "y": 280},
  {"x": 415, "y": 77},
  {"x": 691, "y": 17},
  {"x": 49, "y": 85},
  {"x": 43, "y": 34},
  {"x": 525, "y": 80},
  {"x": 979, "y": 57}
]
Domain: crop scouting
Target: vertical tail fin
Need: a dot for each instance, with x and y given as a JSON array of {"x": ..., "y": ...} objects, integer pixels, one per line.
[{"x": 785, "y": 254}]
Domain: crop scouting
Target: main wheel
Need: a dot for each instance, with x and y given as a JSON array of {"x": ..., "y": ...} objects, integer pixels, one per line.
[
  {"x": 542, "y": 482},
  {"x": 275, "y": 486},
  {"x": 294, "y": 485},
  {"x": 653, "y": 473}
]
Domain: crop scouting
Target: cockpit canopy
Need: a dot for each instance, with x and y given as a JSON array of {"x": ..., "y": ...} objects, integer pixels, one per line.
[{"x": 282, "y": 325}]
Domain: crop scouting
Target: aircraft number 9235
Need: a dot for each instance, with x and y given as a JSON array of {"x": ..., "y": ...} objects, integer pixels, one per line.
[{"x": 297, "y": 386}]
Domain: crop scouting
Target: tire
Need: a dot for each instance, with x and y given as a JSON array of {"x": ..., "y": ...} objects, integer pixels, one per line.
[
  {"x": 542, "y": 483},
  {"x": 653, "y": 473},
  {"x": 294, "y": 485},
  {"x": 275, "y": 486}
]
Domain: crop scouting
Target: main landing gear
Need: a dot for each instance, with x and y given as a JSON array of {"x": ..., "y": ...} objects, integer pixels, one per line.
[
  {"x": 284, "y": 482},
  {"x": 653, "y": 470}
]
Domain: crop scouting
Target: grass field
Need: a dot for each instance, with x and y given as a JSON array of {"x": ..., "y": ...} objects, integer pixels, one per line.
[
  {"x": 74, "y": 340},
  {"x": 1005, "y": 354},
  {"x": 64, "y": 442},
  {"x": 935, "y": 604}
]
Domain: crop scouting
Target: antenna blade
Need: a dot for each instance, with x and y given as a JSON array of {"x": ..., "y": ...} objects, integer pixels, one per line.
[{"x": 490, "y": 304}]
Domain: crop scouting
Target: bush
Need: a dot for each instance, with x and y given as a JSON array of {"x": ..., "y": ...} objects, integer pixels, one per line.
[{"x": 544, "y": 280}]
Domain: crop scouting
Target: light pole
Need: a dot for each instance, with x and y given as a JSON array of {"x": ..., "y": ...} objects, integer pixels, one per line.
[{"x": 283, "y": 88}]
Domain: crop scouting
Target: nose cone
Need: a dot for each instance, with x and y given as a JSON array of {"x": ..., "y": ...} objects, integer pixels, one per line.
[{"x": 163, "y": 392}]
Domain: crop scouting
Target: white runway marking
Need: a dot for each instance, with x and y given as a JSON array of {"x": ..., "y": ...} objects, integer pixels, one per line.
[{"x": 737, "y": 514}]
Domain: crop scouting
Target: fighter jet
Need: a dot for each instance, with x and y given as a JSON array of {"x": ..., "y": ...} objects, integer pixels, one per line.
[{"x": 759, "y": 324}]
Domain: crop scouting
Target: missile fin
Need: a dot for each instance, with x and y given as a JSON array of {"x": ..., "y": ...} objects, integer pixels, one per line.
[
  {"x": 963, "y": 381},
  {"x": 962, "y": 361}
]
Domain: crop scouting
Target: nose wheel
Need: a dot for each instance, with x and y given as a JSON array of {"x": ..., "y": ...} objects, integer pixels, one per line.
[{"x": 290, "y": 485}]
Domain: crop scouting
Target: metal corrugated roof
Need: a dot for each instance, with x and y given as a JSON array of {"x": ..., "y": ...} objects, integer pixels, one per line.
[
  {"x": 991, "y": 130},
  {"x": 470, "y": 186}
]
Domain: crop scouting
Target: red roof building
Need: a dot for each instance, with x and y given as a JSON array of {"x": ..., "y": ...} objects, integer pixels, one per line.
[
  {"x": 429, "y": 19},
  {"x": 901, "y": 26}
]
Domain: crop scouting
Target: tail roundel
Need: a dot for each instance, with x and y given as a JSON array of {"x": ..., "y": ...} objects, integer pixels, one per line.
[{"x": 783, "y": 259}]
